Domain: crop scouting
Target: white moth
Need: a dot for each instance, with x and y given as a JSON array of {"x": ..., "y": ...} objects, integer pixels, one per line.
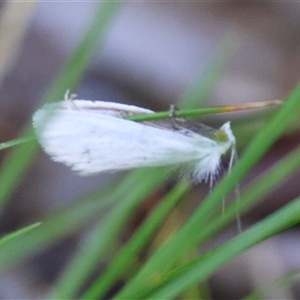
[{"x": 93, "y": 136}]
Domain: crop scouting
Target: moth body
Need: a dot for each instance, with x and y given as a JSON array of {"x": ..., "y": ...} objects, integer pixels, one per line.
[{"x": 95, "y": 136}]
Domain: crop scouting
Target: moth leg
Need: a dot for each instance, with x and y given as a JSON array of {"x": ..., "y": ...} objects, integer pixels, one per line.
[
  {"x": 172, "y": 111},
  {"x": 172, "y": 115}
]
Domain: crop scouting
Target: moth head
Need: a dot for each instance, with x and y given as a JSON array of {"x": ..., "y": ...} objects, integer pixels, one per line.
[{"x": 225, "y": 135}]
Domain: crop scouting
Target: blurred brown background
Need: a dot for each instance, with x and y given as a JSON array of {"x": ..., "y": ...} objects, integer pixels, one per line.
[{"x": 153, "y": 51}]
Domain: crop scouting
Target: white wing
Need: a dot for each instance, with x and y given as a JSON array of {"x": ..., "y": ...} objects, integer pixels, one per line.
[{"x": 96, "y": 138}]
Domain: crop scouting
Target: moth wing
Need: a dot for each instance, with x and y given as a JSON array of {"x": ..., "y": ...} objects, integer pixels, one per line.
[
  {"x": 111, "y": 108},
  {"x": 90, "y": 141}
]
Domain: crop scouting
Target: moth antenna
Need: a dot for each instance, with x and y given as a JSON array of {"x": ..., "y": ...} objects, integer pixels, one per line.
[
  {"x": 233, "y": 159},
  {"x": 237, "y": 209},
  {"x": 66, "y": 97}
]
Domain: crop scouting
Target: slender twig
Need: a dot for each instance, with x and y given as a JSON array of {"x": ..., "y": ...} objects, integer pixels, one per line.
[
  {"x": 194, "y": 113},
  {"x": 16, "y": 142}
]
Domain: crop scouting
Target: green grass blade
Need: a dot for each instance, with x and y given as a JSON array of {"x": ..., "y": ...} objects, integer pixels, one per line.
[
  {"x": 125, "y": 257},
  {"x": 14, "y": 167},
  {"x": 16, "y": 142},
  {"x": 263, "y": 184},
  {"x": 195, "y": 113},
  {"x": 104, "y": 234},
  {"x": 212, "y": 73},
  {"x": 61, "y": 223},
  {"x": 186, "y": 238},
  {"x": 94, "y": 37},
  {"x": 17, "y": 162},
  {"x": 284, "y": 281},
  {"x": 278, "y": 221},
  {"x": 199, "y": 92},
  {"x": 16, "y": 234}
]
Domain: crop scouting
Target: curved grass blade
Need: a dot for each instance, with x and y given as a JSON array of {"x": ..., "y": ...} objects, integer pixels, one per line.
[
  {"x": 194, "y": 113},
  {"x": 269, "y": 180},
  {"x": 196, "y": 94},
  {"x": 104, "y": 234},
  {"x": 186, "y": 238},
  {"x": 16, "y": 142},
  {"x": 17, "y": 162},
  {"x": 208, "y": 78},
  {"x": 284, "y": 281},
  {"x": 59, "y": 224},
  {"x": 277, "y": 222},
  {"x": 16, "y": 234},
  {"x": 128, "y": 253}
]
